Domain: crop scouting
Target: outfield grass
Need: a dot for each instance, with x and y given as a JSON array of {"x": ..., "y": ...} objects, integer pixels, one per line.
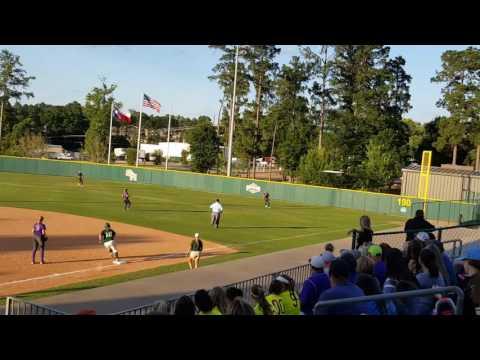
[{"x": 246, "y": 224}]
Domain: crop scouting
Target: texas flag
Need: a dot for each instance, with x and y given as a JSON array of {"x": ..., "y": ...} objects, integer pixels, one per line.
[{"x": 127, "y": 118}]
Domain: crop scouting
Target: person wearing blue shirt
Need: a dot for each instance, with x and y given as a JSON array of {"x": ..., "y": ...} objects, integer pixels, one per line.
[
  {"x": 314, "y": 286},
  {"x": 379, "y": 269},
  {"x": 341, "y": 288}
]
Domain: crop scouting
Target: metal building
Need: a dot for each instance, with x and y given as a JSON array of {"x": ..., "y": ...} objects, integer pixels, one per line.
[{"x": 447, "y": 182}]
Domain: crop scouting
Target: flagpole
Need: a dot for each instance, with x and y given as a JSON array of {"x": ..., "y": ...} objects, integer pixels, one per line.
[
  {"x": 232, "y": 115},
  {"x": 168, "y": 140},
  {"x": 139, "y": 130},
  {"x": 110, "y": 136}
]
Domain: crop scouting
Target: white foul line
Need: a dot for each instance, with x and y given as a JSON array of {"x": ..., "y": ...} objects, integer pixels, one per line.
[{"x": 213, "y": 248}]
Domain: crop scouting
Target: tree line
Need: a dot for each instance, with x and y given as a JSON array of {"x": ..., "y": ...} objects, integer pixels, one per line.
[{"x": 338, "y": 108}]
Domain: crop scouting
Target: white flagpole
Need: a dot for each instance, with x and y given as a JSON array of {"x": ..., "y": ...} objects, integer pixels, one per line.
[
  {"x": 168, "y": 140},
  {"x": 139, "y": 131},
  {"x": 232, "y": 115},
  {"x": 110, "y": 136}
]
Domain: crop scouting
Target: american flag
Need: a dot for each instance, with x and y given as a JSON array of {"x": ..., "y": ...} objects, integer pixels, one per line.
[{"x": 151, "y": 103}]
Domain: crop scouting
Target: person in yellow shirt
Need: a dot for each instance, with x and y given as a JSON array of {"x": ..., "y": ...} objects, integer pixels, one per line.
[
  {"x": 204, "y": 303},
  {"x": 290, "y": 297},
  {"x": 274, "y": 299},
  {"x": 262, "y": 306}
]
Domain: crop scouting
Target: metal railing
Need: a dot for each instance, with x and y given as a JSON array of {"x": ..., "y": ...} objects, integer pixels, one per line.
[
  {"x": 16, "y": 306},
  {"x": 453, "y": 237},
  {"x": 397, "y": 295},
  {"x": 299, "y": 274}
]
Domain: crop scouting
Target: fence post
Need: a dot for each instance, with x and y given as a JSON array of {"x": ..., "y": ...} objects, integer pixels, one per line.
[
  {"x": 439, "y": 235},
  {"x": 354, "y": 238}
]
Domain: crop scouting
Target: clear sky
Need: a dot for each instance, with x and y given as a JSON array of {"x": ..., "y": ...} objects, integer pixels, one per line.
[{"x": 177, "y": 76}]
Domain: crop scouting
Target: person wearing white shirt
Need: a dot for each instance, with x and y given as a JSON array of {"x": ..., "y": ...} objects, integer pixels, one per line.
[{"x": 217, "y": 210}]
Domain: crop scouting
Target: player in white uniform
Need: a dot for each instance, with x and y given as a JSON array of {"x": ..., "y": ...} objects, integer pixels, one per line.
[{"x": 217, "y": 210}]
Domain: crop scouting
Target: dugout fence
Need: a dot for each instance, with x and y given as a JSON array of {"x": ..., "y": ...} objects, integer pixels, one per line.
[
  {"x": 388, "y": 204},
  {"x": 16, "y": 306}
]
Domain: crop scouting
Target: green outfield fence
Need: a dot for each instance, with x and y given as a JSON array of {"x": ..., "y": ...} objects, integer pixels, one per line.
[{"x": 449, "y": 211}]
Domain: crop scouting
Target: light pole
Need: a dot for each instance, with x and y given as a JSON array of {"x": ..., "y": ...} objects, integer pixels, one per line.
[{"x": 232, "y": 114}]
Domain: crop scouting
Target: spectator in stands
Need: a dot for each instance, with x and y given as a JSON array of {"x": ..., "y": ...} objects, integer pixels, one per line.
[
  {"x": 349, "y": 258},
  {"x": 413, "y": 253},
  {"x": 290, "y": 297},
  {"x": 329, "y": 249},
  {"x": 219, "y": 299},
  {"x": 379, "y": 269},
  {"x": 385, "y": 249},
  {"x": 241, "y": 307},
  {"x": 204, "y": 303},
  {"x": 365, "y": 265},
  {"x": 184, "y": 306},
  {"x": 417, "y": 223},
  {"x": 262, "y": 307},
  {"x": 341, "y": 288},
  {"x": 409, "y": 305},
  {"x": 435, "y": 246},
  {"x": 447, "y": 262},
  {"x": 364, "y": 235},
  {"x": 428, "y": 278},
  {"x": 471, "y": 264},
  {"x": 314, "y": 286},
  {"x": 232, "y": 293},
  {"x": 277, "y": 287},
  {"x": 370, "y": 286}
]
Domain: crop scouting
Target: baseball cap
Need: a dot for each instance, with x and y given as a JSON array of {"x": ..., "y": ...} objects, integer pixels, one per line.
[
  {"x": 423, "y": 236},
  {"x": 282, "y": 280},
  {"x": 375, "y": 250},
  {"x": 471, "y": 254},
  {"x": 317, "y": 262}
]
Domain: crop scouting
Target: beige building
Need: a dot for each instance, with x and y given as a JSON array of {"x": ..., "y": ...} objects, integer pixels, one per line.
[{"x": 446, "y": 182}]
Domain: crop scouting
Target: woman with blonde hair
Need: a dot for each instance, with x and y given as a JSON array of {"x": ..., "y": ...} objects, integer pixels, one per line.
[{"x": 365, "y": 265}]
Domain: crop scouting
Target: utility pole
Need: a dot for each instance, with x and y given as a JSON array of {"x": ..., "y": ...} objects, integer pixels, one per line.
[
  {"x": 271, "y": 153},
  {"x": 232, "y": 114}
]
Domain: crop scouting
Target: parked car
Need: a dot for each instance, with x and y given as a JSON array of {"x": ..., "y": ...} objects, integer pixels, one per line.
[{"x": 63, "y": 156}]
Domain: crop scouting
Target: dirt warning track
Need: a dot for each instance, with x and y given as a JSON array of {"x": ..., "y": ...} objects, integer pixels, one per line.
[{"x": 73, "y": 253}]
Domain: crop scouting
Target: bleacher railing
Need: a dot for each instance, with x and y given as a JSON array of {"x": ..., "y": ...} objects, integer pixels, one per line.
[
  {"x": 16, "y": 306},
  {"x": 299, "y": 274},
  {"x": 453, "y": 237},
  {"x": 397, "y": 295}
]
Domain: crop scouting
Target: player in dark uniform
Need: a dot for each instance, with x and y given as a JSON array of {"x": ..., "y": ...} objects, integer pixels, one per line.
[
  {"x": 266, "y": 199},
  {"x": 127, "y": 204},
  {"x": 107, "y": 238},
  {"x": 80, "y": 178},
  {"x": 39, "y": 238}
]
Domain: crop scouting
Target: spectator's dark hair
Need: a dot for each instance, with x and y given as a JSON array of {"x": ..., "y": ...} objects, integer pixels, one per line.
[
  {"x": 365, "y": 223},
  {"x": 217, "y": 200},
  {"x": 474, "y": 263},
  {"x": 233, "y": 292},
  {"x": 419, "y": 214},
  {"x": 405, "y": 285},
  {"x": 203, "y": 301},
  {"x": 369, "y": 284},
  {"x": 350, "y": 261},
  {"x": 339, "y": 269},
  {"x": 259, "y": 296},
  {"x": 329, "y": 247},
  {"x": 241, "y": 307},
  {"x": 276, "y": 287},
  {"x": 385, "y": 249},
  {"x": 397, "y": 267},
  {"x": 184, "y": 306},
  {"x": 413, "y": 251},
  {"x": 429, "y": 260},
  {"x": 365, "y": 265},
  {"x": 291, "y": 282},
  {"x": 41, "y": 219},
  {"x": 219, "y": 299}
]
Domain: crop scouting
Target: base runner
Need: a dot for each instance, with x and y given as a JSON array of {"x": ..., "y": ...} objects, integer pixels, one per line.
[
  {"x": 127, "y": 204},
  {"x": 107, "y": 237},
  {"x": 39, "y": 238},
  {"x": 196, "y": 248},
  {"x": 217, "y": 210}
]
